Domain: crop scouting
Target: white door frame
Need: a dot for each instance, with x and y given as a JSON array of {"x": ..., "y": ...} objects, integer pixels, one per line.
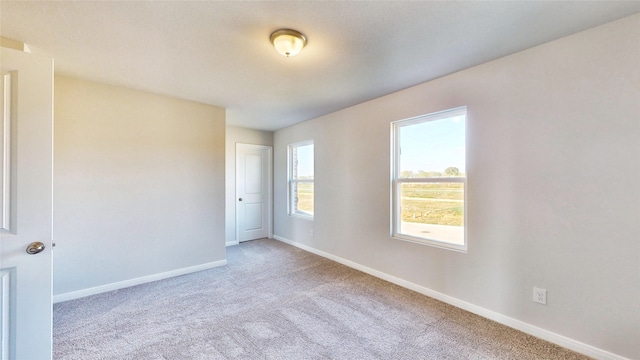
[{"x": 269, "y": 187}]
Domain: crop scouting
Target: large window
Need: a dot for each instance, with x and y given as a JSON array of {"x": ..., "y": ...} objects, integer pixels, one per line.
[
  {"x": 301, "y": 179},
  {"x": 428, "y": 179}
]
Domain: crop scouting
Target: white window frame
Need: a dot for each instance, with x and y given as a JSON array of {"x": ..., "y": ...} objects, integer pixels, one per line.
[
  {"x": 292, "y": 183},
  {"x": 397, "y": 181}
]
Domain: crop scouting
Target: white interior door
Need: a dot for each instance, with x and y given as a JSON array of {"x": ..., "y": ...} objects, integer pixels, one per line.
[
  {"x": 253, "y": 192},
  {"x": 27, "y": 163}
]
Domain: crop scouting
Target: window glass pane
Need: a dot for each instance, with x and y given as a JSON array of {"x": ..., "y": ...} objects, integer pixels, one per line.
[
  {"x": 303, "y": 157},
  {"x": 303, "y": 193},
  {"x": 433, "y": 211},
  {"x": 433, "y": 148}
]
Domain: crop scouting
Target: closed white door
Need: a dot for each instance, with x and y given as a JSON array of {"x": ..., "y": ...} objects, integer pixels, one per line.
[
  {"x": 26, "y": 202},
  {"x": 253, "y": 192}
]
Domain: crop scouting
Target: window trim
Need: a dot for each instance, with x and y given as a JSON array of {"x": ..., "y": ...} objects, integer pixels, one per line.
[
  {"x": 396, "y": 181},
  {"x": 291, "y": 208}
]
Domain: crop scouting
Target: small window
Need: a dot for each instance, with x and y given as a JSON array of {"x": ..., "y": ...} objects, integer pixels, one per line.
[
  {"x": 429, "y": 178},
  {"x": 301, "y": 179}
]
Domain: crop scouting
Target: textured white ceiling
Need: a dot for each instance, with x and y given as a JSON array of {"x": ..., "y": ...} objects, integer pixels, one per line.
[{"x": 219, "y": 52}]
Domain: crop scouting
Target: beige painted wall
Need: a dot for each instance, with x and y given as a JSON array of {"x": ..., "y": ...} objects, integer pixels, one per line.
[
  {"x": 553, "y": 195},
  {"x": 243, "y": 136},
  {"x": 138, "y": 185}
]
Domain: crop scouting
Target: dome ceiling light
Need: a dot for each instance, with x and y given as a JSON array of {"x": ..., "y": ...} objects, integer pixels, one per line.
[{"x": 288, "y": 42}]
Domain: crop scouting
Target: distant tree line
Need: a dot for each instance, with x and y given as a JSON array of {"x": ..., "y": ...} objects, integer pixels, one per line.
[{"x": 448, "y": 172}]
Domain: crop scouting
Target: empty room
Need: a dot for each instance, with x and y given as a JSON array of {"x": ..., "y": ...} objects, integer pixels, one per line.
[{"x": 320, "y": 180}]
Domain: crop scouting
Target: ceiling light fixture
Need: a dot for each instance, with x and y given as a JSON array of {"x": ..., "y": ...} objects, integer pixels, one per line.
[{"x": 288, "y": 42}]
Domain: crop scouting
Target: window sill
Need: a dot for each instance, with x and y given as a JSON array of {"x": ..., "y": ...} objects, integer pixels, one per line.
[
  {"x": 300, "y": 216},
  {"x": 432, "y": 243}
]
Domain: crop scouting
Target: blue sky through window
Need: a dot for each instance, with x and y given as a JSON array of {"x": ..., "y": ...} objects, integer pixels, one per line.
[
  {"x": 433, "y": 145},
  {"x": 305, "y": 161}
]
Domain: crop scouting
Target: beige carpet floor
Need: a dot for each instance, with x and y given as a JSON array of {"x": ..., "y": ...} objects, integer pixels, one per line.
[{"x": 274, "y": 301}]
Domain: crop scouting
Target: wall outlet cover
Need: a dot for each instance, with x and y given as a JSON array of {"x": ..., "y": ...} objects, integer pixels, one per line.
[{"x": 540, "y": 296}]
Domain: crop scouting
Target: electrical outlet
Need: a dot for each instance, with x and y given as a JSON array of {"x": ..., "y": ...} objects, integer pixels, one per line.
[{"x": 540, "y": 296}]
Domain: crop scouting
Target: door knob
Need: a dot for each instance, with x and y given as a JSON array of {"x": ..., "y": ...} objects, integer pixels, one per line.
[
  {"x": 240, "y": 199},
  {"x": 35, "y": 248}
]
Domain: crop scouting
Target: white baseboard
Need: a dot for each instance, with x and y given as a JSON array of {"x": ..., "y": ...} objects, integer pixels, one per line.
[
  {"x": 547, "y": 335},
  {"x": 232, "y": 243},
  {"x": 137, "y": 281}
]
